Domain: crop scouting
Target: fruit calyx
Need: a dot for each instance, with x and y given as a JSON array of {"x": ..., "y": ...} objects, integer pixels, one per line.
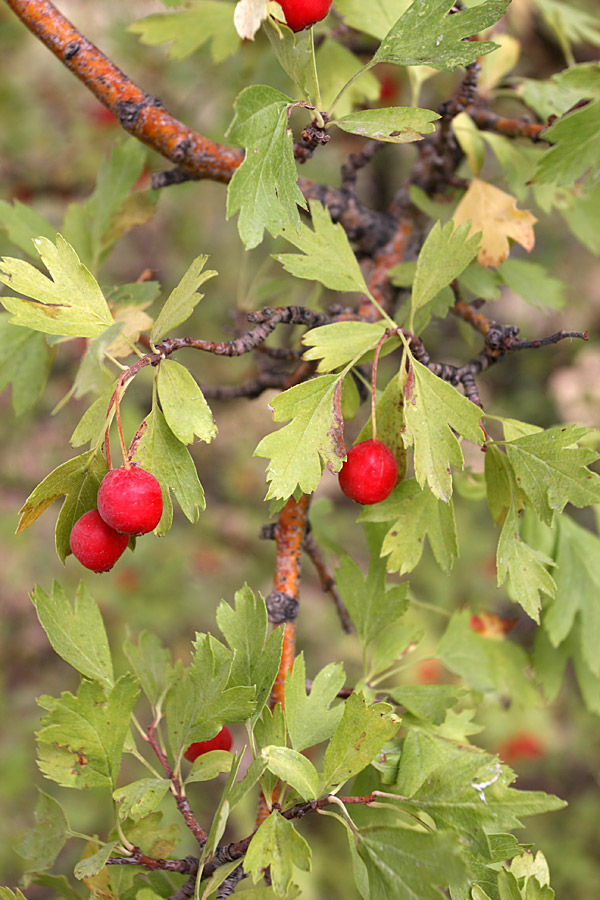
[
  {"x": 370, "y": 472},
  {"x": 130, "y": 500}
]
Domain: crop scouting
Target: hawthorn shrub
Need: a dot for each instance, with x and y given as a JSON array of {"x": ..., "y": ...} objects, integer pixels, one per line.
[{"x": 365, "y": 321}]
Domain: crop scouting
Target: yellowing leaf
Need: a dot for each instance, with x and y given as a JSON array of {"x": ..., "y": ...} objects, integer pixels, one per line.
[
  {"x": 134, "y": 320},
  {"x": 494, "y": 213}
]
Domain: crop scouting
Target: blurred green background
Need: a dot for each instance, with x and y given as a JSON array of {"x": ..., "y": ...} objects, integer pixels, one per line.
[{"x": 53, "y": 137}]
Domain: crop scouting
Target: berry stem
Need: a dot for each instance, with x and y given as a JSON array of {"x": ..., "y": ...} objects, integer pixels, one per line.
[
  {"x": 126, "y": 462},
  {"x": 380, "y": 344}
]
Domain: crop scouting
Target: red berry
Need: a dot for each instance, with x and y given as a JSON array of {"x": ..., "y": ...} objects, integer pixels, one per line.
[
  {"x": 301, "y": 14},
  {"x": 221, "y": 741},
  {"x": 95, "y": 544},
  {"x": 130, "y": 500},
  {"x": 370, "y": 472}
]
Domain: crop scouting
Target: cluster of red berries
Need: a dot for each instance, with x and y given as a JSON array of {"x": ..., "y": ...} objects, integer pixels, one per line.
[
  {"x": 300, "y": 14},
  {"x": 129, "y": 502}
]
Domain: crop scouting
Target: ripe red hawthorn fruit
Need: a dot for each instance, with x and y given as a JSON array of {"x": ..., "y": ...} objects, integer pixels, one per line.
[
  {"x": 369, "y": 473},
  {"x": 221, "y": 741},
  {"x": 523, "y": 745},
  {"x": 301, "y": 14},
  {"x": 95, "y": 544},
  {"x": 130, "y": 500}
]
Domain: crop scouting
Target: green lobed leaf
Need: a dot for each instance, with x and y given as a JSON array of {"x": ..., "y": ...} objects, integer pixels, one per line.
[
  {"x": 91, "y": 865},
  {"x": 360, "y": 735},
  {"x": 294, "y": 55},
  {"x": 416, "y": 513},
  {"x": 310, "y": 718},
  {"x": 297, "y": 449},
  {"x": 575, "y": 147},
  {"x": 427, "y": 701},
  {"x": 487, "y": 665},
  {"x": 524, "y": 566},
  {"x": 394, "y": 643},
  {"x": 81, "y": 740},
  {"x": 69, "y": 303},
  {"x": 78, "y": 481},
  {"x": 162, "y": 454},
  {"x": 242, "y": 788},
  {"x": 433, "y": 410},
  {"x": 93, "y": 422},
  {"x": 375, "y": 18},
  {"x": 138, "y": 799},
  {"x": 577, "y": 577},
  {"x": 446, "y": 252},
  {"x": 392, "y": 124},
  {"x": 56, "y": 883},
  {"x": 277, "y": 844},
  {"x": 25, "y": 361},
  {"x": 427, "y": 35},
  {"x": 76, "y": 632},
  {"x": 256, "y": 657},
  {"x": 43, "y": 842},
  {"x": 189, "y": 30},
  {"x": 210, "y": 765},
  {"x": 531, "y": 281},
  {"x": 569, "y": 24},
  {"x": 270, "y": 729},
  {"x": 151, "y": 663},
  {"x": 264, "y": 187},
  {"x": 198, "y": 703},
  {"x": 407, "y": 865},
  {"x": 92, "y": 226},
  {"x": 373, "y": 605},
  {"x": 327, "y": 254},
  {"x": 339, "y": 343},
  {"x": 182, "y": 300},
  {"x": 186, "y": 411},
  {"x": 294, "y": 769}
]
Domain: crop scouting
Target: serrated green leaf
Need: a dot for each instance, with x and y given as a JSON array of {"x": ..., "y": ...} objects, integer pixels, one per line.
[
  {"x": 393, "y": 644},
  {"x": 518, "y": 161},
  {"x": 92, "y": 227},
  {"x": 481, "y": 282},
  {"x": 338, "y": 343},
  {"x": 360, "y": 735},
  {"x": 294, "y": 769},
  {"x": 25, "y": 361},
  {"x": 241, "y": 788},
  {"x": 138, "y": 799},
  {"x": 416, "y": 514},
  {"x": 162, "y": 454},
  {"x": 77, "y": 633},
  {"x": 575, "y": 147},
  {"x": 309, "y": 716},
  {"x": 182, "y": 300},
  {"x": 278, "y": 845},
  {"x": 189, "y": 30},
  {"x": 294, "y": 55},
  {"x": 488, "y": 665},
  {"x": 209, "y": 765},
  {"x": 256, "y": 657},
  {"x": 186, "y": 411},
  {"x": 198, "y": 703},
  {"x": 445, "y": 254},
  {"x": 328, "y": 256},
  {"x": 577, "y": 577},
  {"x": 433, "y": 409},
  {"x": 41, "y": 845},
  {"x": 372, "y": 604},
  {"x": 407, "y": 864},
  {"x": 91, "y": 865},
  {"x": 569, "y": 24},
  {"x": 78, "y": 481},
  {"x": 427, "y": 35},
  {"x": 531, "y": 281},
  {"x": 22, "y": 224},
  {"x": 427, "y": 701},
  {"x": 392, "y": 124},
  {"x": 375, "y": 18},
  {"x": 552, "y": 472},
  {"x": 297, "y": 450},
  {"x": 524, "y": 566},
  {"x": 69, "y": 303},
  {"x": 264, "y": 188},
  {"x": 56, "y": 883},
  {"x": 93, "y": 422},
  {"x": 81, "y": 740},
  {"x": 151, "y": 663}
]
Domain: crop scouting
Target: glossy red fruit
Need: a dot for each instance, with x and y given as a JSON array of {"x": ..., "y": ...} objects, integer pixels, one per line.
[
  {"x": 221, "y": 741},
  {"x": 95, "y": 544},
  {"x": 301, "y": 14},
  {"x": 370, "y": 472},
  {"x": 130, "y": 500}
]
